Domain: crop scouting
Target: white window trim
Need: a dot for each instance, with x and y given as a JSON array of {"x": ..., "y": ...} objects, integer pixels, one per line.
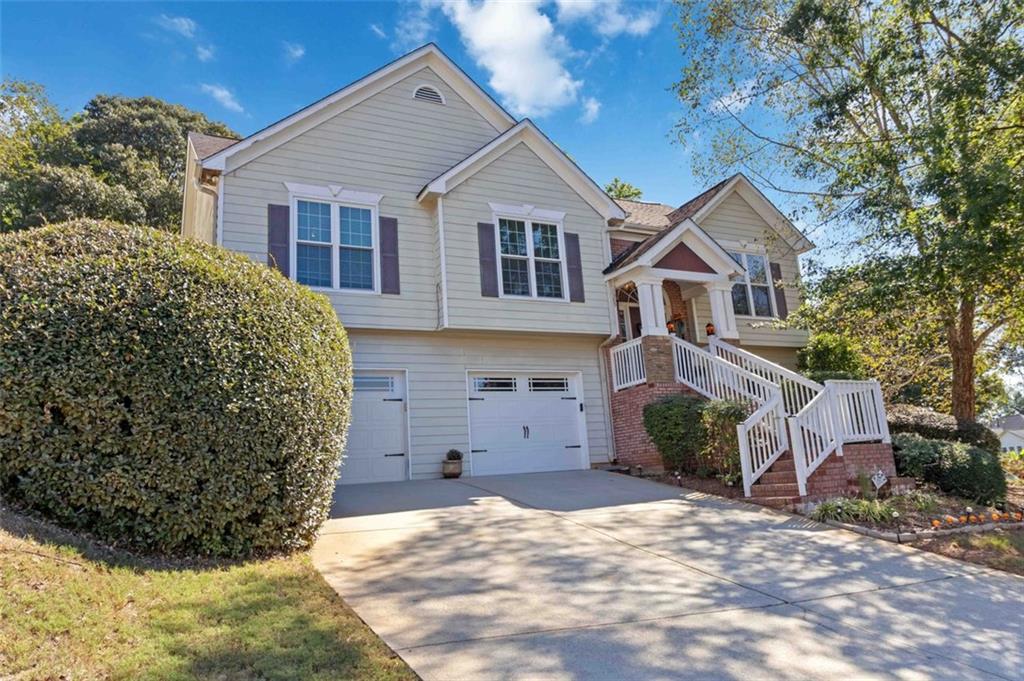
[
  {"x": 746, "y": 281},
  {"x": 530, "y": 257},
  {"x": 335, "y": 196}
]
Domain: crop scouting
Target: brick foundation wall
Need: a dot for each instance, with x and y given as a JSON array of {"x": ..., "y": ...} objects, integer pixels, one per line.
[
  {"x": 837, "y": 476},
  {"x": 632, "y": 445}
]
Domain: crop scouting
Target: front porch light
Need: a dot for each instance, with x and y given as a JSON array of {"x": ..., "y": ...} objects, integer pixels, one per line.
[{"x": 709, "y": 329}]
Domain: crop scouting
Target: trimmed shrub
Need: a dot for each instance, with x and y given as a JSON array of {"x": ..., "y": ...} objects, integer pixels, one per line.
[
  {"x": 165, "y": 394},
  {"x": 674, "y": 425},
  {"x": 830, "y": 354},
  {"x": 822, "y": 375},
  {"x": 908, "y": 418},
  {"x": 720, "y": 452},
  {"x": 955, "y": 467}
]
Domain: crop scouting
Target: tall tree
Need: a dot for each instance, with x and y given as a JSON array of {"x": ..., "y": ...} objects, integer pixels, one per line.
[
  {"x": 902, "y": 120},
  {"x": 617, "y": 189},
  {"x": 120, "y": 158}
]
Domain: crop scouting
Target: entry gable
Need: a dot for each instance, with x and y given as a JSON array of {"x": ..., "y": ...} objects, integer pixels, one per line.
[{"x": 682, "y": 257}]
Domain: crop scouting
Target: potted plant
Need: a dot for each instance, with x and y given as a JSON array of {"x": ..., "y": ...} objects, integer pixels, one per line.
[{"x": 451, "y": 467}]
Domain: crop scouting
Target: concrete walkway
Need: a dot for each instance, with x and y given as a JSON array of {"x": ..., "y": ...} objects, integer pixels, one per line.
[{"x": 592, "y": 575}]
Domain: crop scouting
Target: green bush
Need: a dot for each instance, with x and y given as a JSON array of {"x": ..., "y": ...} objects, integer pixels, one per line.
[
  {"x": 164, "y": 394},
  {"x": 854, "y": 510},
  {"x": 830, "y": 354},
  {"x": 908, "y": 418},
  {"x": 674, "y": 425},
  {"x": 822, "y": 375},
  {"x": 955, "y": 467},
  {"x": 720, "y": 450}
]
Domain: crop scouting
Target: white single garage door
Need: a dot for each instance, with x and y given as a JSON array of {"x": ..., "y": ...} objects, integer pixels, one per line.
[
  {"x": 377, "y": 449},
  {"x": 525, "y": 423}
]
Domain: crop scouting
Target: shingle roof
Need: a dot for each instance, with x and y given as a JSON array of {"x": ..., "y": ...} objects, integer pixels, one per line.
[
  {"x": 669, "y": 220},
  {"x": 208, "y": 145},
  {"x": 1011, "y": 422},
  {"x": 646, "y": 213}
]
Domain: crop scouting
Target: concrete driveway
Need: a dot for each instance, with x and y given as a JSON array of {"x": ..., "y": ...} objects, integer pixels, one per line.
[{"x": 592, "y": 575}]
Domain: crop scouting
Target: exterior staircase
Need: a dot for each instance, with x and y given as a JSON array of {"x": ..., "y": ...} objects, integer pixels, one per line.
[{"x": 794, "y": 425}]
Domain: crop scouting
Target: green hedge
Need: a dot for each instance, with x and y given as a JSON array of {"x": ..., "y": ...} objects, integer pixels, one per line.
[
  {"x": 674, "y": 425},
  {"x": 955, "y": 467},
  {"x": 908, "y": 418},
  {"x": 694, "y": 435},
  {"x": 165, "y": 394}
]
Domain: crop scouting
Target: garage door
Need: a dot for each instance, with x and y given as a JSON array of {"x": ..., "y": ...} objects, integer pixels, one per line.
[
  {"x": 525, "y": 423},
  {"x": 377, "y": 443}
]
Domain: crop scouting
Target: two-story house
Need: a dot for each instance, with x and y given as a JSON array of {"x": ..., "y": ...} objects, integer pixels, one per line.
[{"x": 498, "y": 302}]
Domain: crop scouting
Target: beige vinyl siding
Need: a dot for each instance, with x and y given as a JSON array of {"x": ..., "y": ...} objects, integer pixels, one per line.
[
  {"x": 389, "y": 144},
  {"x": 520, "y": 177},
  {"x": 437, "y": 364},
  {"x": 735, "y": 224}
]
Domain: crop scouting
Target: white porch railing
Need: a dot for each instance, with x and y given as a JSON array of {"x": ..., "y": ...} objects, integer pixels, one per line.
[
  {"x": 762, "y": 436},
  {"x": 845, "y": 411},
  {"x": 797, "y": 390},
  {"x": 861, "y": 410},
  {"x": 628, "y": 364}
]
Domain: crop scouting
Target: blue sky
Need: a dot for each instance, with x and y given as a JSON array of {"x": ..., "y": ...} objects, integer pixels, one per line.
[{"x": 593, "y": 75}]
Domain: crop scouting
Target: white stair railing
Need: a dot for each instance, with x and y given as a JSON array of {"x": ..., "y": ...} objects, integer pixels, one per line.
[
  {"x": 797, "y": 390},
  {"x": 762, "y": 435},
  {"x": 628, "y": 364},
  {"x": 845, "y": 411}
]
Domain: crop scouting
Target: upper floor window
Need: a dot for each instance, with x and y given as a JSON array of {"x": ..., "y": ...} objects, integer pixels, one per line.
[
  {"x": 532, "y": 259},
  {"x": 752, "y": 296},
  {"x": 334, "y": 245}
]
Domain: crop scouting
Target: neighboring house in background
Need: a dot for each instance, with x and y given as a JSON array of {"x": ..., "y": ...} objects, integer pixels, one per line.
[
  {"x": 497, "y": 300},
  {"x": 1010, "y": 430}
]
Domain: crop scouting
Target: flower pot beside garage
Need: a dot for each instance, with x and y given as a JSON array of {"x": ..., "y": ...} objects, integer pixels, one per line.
[{"x": 451, "y": 467}]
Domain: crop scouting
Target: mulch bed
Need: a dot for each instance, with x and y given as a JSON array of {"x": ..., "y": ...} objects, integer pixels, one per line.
[
  {"x": 999, "y": 549},
  {"x": 698, "y": 484}
]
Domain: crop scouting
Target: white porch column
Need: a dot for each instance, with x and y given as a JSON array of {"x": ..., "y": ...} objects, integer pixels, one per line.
[
  {"x": 722, "y": 315},
  {"x": 652, "y": 307}
]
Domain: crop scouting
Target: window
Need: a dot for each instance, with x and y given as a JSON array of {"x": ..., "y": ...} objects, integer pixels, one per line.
[
  {"x": 495, "y": 385},
  {"x": 334, "y": 245},
  {"x": 531, "y": 259},
  {"x": 752, "y": 296},
  {"x": 373, "y": 383},
  {"x": 558, "y": 385}
]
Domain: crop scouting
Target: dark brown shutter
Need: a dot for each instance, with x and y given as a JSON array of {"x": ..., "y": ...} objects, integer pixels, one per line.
[
  {"x": 389, "y": 256},
  {"x": 278, "y": 238},
  {"x": 574, "y": 267},
  {"x": 488, "y": 260},
  {"x": 781, "y": 308}
]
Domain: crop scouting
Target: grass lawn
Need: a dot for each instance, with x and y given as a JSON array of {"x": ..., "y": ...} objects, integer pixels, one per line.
[
  {"x": 1000, "y": 549},
  {"x": 71, "y": 609}
]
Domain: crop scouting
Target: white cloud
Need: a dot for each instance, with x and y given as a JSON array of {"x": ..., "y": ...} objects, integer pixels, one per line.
[
  {"x": 517, "y": 44},
  {"x": 204, "y": 52},
  {"x": 608, "y": 17},
  {"x": 378, "y": 31},
  {"x": 183, "y": 26},
  {"x": 591, "y": 109},
  {"x": 224, "y": 96},
  {"x": 293, "y": 52},
  {"x": 739, "y": 99},
  {"x": 415, "y": 25}
]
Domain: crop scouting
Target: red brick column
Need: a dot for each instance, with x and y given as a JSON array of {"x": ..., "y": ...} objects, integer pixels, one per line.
[{"x": 837, "y": 476}]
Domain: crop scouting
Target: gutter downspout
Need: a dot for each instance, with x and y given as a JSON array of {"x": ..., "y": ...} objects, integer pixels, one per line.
[
  {"x": 602, "y": 361},
  {"x": 444, "y": 262}
]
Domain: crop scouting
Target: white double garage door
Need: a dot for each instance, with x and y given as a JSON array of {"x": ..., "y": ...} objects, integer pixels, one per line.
[{"x": 518, "y": 422}]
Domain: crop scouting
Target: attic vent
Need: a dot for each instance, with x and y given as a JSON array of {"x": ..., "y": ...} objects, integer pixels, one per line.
[{"x": 428, "y": 94}]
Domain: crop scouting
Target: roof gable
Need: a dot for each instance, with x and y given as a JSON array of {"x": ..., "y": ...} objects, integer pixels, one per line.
[
  {"x": 662, "y": 247},
  {"x": 525, "y": 132},
  {"x": 309, "y": 117}
]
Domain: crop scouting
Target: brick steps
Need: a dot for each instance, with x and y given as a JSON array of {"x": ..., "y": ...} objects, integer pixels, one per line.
[
  {"x": 787, "y": 503},
  {"x": 786, "y": 489}
]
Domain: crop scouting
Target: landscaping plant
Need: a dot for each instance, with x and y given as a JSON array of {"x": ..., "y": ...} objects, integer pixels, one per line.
[
  {"x": 954, "y": 467},
  {"x": 720, "y": 450},
  {"x": 165, "y": 394},
  {"x": 674, "y": 425},
  {"x": 907, "y": 418}
]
